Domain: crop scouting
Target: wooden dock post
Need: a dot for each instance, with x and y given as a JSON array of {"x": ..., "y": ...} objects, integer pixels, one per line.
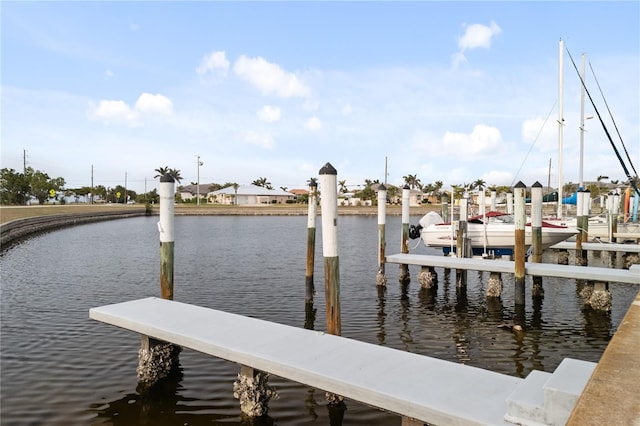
[
  {"x": 311, "y": 241},
  {"x": 461, "y": 243},
  {"x": 156, "y": 359},
  {"x": 167, "y": 239},
  {"x": 381, "y": 278},
  {"x": 586, "y": 202},
  {"x": 405, "y": 276},
  {"x": 510, "y": 202},
  {"x": 536, "y": 236},
  {"x": 579, "y": 224},
  {"x": 519, "y": 251},
  {"x": 444, "y": 208},
  {"x": 493, "y": 199},
  {"x": 329, "y": 208}
]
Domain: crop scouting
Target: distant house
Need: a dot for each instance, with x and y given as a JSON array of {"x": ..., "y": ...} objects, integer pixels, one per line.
[
  {"x": 189, "y": 192},
  {"x": 249, "y": 195}
]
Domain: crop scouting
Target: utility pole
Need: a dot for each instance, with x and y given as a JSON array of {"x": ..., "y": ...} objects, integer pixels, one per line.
[
  {"x": 200, "y": 163},
  {"x": 91, "y": 184},
  {"x": 24, "y": 161},
  {"x": 125, "y": 188}
]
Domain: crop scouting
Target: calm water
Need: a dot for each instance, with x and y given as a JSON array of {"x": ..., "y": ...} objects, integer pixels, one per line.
[{"x": 59, "y": 367}]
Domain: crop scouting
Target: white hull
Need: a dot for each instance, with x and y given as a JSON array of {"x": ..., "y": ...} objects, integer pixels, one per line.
[
  {"x": 497, "y": 233},
  {"x": 496, "y": 236}
]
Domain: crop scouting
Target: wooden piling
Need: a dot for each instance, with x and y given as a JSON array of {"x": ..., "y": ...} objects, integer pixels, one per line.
[
  {"x": 616, "y": 211},
  {"x": 156, "y": 359},
  {"x": 519, "y": 249},
  {"x": 579, "y": 224},
  {"x": 167, "y": 239},
  {"x": 311, "y": 241},
  {"x": 329, "y": 208},
  {"x": 586, "y": 202},
  {"x": 493, "y": 200},
  {"x": 536, "y": 235},
  {"x": 381, "y": 278},
  {"x": 510, "y": 202},
  {"x": 405, "y": 276},
  {"x": 461, "y": 246},
  {"x": 444, "y": 208}
]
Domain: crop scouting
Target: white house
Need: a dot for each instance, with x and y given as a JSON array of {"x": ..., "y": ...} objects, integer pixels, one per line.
[{"x": 249, "y": 195}]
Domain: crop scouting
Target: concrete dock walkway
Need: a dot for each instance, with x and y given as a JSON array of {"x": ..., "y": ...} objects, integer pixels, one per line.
[{"x": 612, "y": 395}]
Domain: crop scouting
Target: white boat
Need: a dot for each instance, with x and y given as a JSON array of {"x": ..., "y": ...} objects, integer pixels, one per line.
[{"x": 493, "y": 232}]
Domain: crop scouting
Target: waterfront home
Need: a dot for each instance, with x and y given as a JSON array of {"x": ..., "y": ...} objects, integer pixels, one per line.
[{"x": 249, "y": 195}]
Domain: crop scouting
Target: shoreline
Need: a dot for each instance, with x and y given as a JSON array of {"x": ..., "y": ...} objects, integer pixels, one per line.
[{"x": 20, "y": 222}]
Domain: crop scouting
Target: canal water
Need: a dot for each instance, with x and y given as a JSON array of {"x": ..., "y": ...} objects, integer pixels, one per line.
[{"x": 58, "y": 367}]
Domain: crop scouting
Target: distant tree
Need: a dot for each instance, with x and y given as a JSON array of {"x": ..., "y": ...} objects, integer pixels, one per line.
[
  {"x": 161, "y": 171},
  {"x": 284, "y": 188},
  {"x": 412, "y": 181},
  {"x": 235, "y": 192},
  {"x": 262, "y": 182},
  {"x": 42, "y": 184},
  {"x": 479, "y": 183},
  {"x": 174, "y": 173},
  {"x": 312, "y": 180},
  {"x": 14, "y": 187},
  {"x": 343, "y": 186}
]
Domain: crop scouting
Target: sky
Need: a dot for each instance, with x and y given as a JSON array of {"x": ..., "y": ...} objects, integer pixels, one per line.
[{"x": 447, "y": 91}]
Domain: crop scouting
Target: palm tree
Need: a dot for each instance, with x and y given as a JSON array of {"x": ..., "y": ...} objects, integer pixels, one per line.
[
  {"x": 161, "y": 171},
  {"x": 412, "y": 181},
  {"x": 235, "y": 192},
  {"x": 262, "y": 182},
  {"x": 343, "y": 186},
  {"x": 175, "y": 174},
  {"x": 479, "y": 183},
  {"x": 312, "y": 181}
]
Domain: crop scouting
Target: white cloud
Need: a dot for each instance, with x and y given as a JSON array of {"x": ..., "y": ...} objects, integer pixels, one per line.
[
  {"x": 313, "y": 124},
  {"x": 475, "y": 36},
  {"x": 118, "y": 112},
  {"x": 213, "y": 61},
  {"x": 482, "y": 141},
  {"x": 269, "y": 114},
  {"x": 114, "y": 112},
  {"x": 108, "y": 74},
  {"x": 270, "y": 78},
  {"x": 154, "y": 104},
  {"x": 262, "y": 140}
]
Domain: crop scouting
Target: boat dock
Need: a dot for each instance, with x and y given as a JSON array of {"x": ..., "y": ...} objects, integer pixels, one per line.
[
  {"x": 418, "y": 388},
  {"x": 628, "y": 276}
]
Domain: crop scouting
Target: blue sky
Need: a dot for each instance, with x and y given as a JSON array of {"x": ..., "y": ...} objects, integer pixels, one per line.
[{"x": 449, "y": 91}]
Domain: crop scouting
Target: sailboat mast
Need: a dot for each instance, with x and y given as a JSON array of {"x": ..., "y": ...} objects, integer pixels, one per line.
[
  {"x": 560, "y": 125},
  {"x": 581, "y": 181}
]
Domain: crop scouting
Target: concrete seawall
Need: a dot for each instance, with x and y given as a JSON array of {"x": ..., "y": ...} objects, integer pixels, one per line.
[{"x": 14, "y": 231}]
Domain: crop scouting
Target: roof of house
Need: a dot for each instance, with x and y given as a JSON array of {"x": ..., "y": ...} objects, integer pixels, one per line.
[
  {"x": 193, "y": 189},
  {"x": 250, "y": 190}
]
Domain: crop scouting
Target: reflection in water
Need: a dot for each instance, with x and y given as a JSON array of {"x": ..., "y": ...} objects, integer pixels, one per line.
[
  {"x": 336, "y": 413},
  {"x": 520, "y": 353},
  {"x": 381, "y": 334},
  {"x": 405, "y": 306},
  {"x": 309, "y": 315}
]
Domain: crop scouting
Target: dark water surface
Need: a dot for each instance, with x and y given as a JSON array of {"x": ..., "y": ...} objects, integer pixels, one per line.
[{"x": 59, "y": 367}]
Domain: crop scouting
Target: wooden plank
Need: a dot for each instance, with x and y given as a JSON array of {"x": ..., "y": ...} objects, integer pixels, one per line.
[
  {"x": 627, "y": 276},
  {"x": 412, "y": 385},
  {"x": 626, "y": 248}
]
